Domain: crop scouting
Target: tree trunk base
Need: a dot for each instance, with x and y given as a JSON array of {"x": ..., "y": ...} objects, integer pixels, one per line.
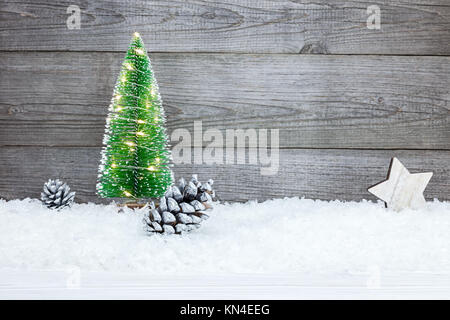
[
  {"x": 132, "y": 205},
  {"x": 135, "y": 205}
]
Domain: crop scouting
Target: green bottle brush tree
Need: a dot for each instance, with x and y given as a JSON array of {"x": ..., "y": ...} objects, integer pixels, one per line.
[{"x": 136, "y": 159}]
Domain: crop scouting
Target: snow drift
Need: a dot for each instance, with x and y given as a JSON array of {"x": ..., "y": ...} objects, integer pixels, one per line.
[{"x": 278, "y": 236}]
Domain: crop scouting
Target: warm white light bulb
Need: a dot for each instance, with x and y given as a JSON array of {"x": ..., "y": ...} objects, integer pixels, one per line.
[
  {"x": 130, "y": 143},
  {"x": 127, "y": 193},
  {"x": 114, "y": 165},
  {"x": 140, "y": 121},
  {"x": 140, "y": 133},
  {"x": 151, "y": 168},
  {"x": 136, "y": 34},
  {"x": 129, "y": 66},
  {"x": 139, "y": 51}
]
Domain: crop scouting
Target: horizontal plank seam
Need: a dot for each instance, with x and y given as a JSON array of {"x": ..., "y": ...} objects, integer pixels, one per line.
[
  {"x": 281, "y": 148},
  {"x": 231, "y": 53}
]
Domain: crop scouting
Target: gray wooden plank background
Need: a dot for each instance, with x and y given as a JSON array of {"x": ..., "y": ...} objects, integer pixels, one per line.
[
  {"x": 257, "y": 26},
  {"x": 61, "y": 99},
  {"x": 312, "y": 173},
  {"x": 345, "y": 98}
]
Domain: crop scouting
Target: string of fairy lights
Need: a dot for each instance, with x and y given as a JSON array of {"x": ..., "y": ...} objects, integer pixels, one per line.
[{"x": 116, "y": 159}]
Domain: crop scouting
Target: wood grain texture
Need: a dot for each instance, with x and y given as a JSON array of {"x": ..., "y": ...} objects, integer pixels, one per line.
[
  {"x": 323, "y": 174},
  {"x": 366, "y": 102},
  {"x": 265, "y": 26}
]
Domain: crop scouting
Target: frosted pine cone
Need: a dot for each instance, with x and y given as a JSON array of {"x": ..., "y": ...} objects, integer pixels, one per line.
[
  {"x": 57, "y": 195},
  {"x": 182, "y": 208}
]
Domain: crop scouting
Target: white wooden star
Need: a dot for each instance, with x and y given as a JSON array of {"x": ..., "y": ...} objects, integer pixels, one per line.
[{"x": 402, "y": 189}]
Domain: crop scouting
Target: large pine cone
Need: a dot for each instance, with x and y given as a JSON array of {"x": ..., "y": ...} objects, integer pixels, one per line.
[
  {"x": 57, "y": 195},
  {"x": 182, "y": 208}
]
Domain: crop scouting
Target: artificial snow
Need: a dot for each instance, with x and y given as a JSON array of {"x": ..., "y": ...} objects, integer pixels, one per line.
[{"x": 283, "y": 236}]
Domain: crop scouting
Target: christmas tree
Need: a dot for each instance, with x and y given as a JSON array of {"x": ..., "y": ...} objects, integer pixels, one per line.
[{"x": 135, "y": 157}]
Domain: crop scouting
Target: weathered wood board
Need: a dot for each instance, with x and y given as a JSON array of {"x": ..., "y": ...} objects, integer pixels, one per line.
[
  {"x": 61, "y": 99},
  {"x": 248, "y": 26},
  {"x": 345, "y": 98},
  {"x": 322, "y": 174}
]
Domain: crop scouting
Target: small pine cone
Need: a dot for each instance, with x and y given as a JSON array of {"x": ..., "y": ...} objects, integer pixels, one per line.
[
  {"x": 204, "y": 197},
  {"x": 186, "y": 208},
  {"x": 168, "y": 218},
  {"x": 177, "y": 194},
  {"x": 172, "y": 205},
  {"x": 57, "y": 195},
  {"x": 157, "y": 226},
  {"x": 184, "y": 218},
  {"x": 206, "y": 187},
  {"x": 154, "y": 215},
  {"x": 180, "y": 227},
  {"x": 198, "y": 206},
  {"x": 168, "y": 229},
  {"x": 182, "y": 208},
  {"x": 169, "y": 193},
  {"x": 192, "y": 226},
  {"x": 190, "y": 192},
  {"x": 195, "y": 219},
  {"x": 162, "y": 204},
  {"x": 201, "y": 215},
  {"x": 181, "y": 184}
]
